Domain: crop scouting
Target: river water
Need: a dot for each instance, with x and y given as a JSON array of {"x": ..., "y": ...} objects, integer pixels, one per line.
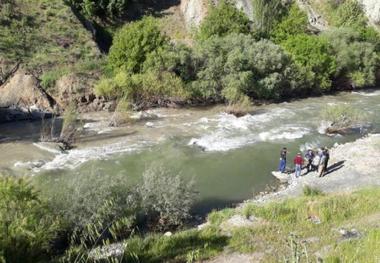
[{"x": 229, "y": 158}]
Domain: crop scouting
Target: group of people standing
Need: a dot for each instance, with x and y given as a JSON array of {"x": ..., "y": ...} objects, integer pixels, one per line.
[{"x": 316, "y": 160}]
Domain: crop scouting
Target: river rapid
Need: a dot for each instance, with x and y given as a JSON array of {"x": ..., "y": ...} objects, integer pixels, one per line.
[{"x": 229, "y": 158}]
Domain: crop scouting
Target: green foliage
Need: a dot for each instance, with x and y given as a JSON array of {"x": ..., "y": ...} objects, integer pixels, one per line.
[
  {"x": 295, "y": 22},
  {"x": 133, "y": 43},
  {"x": 350, "y": 13},
  {"x": 314, "y": 54},
  {"x": 310, "y": 191},
  {"x": 366, "y": 249},
  {"x": 343, "y": 116},
  {"x": 177, "y": 247},
  {"x": 237, "y": 65},
  {"x": 144, "y": 89},
  {"x": 166, "y": 198},
  {"x": 49, "y": 78},
  {"x": 103, "y": 9},
  {"x": 26, "y": 227},
  {"x": 223, "y": 20},
  {"x": 356, "y": 60},
  {"x": 266, "y": 15}
]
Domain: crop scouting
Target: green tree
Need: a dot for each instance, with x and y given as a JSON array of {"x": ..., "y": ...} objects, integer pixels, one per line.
[
  {"x": 103, "y": 8},
  {"x": 26, "y": 228},
  {"x": 357, "y": 60},
  {"x": 295, "y": 22},
  {"x": 222, "y": 20},
  {"x": 266, "y": 14},
  {"x": 350, "y": 13},
  {"x": 133, "y": 43},
  {"x": 166, "y": 198},
  {"x": 315, "y": 55},
  {"x": 236, "y": 66}
]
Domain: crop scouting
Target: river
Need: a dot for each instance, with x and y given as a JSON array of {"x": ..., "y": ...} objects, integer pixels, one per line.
[{"x": 229, "y": 158}]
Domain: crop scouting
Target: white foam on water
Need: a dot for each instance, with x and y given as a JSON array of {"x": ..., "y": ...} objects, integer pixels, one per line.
[
  {"x": 232, "y": 132},
  {"x": 323, "y": 126},
  {"x": 219, "y": 143},
  {"x": 76, "y": 157},
  {"x": 284, "y": 133},
  {"x": 367, "y": 94},
  {"x": 46, "y": 147}
]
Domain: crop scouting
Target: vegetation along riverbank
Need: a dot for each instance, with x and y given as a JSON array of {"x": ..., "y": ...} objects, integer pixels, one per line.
[{"x": 122, "y": 164}]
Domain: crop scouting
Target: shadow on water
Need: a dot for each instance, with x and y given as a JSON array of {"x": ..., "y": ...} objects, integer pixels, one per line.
[
  {"x": 28, "y": 130},
  {"x": 205, "y": 206}
]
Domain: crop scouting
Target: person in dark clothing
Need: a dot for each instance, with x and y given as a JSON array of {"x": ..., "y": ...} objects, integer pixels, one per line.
[
  {"x": 282, "y": 165},
  {"x": 325, "y": 162},
  {"x": 309, "y": 156}
]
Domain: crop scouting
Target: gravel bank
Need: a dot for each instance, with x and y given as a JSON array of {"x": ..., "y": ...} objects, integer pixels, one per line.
[{"x": 352, "y": 166}]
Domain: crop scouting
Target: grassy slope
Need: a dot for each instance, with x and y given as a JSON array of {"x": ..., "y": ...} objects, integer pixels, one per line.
[
  {"x": 46, "y": 37},
  {"x": 286, "y": 232}
]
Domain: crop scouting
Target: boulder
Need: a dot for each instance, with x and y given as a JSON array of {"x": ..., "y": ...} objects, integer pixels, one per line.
[
  {"x": 78, "y": 89},
  {"x": 372, "y": 10},
  {"x": 22, "y": 98},
  {"x": 194, "y": 11}
]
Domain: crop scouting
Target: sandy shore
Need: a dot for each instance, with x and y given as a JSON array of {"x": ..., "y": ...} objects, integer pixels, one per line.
[{"x": 352, "y": 166}]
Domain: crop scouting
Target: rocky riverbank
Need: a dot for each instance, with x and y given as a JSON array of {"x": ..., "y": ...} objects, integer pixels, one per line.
[{"x": 352, "y": 166}]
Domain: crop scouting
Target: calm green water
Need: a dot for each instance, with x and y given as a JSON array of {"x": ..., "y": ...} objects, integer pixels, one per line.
[{"x": 229, "y": 158}]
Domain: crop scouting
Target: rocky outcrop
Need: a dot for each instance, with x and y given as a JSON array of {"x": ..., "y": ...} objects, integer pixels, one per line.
[
  {"x": 372, "y": 10},
  {"x": 194, "y": 11},
  {"x": 22, "y": 97},
  {"x": 78, "y": 89},
  {"x": 246, "y": 7}
]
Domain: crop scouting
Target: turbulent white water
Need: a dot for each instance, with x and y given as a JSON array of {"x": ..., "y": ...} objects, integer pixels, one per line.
[{"x": 210, "y": 130}]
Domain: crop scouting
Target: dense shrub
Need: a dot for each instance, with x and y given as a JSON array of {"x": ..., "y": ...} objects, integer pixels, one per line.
[
  {"x": 237, "y": 65},
  {"x": 266, "y": 15},
  {"x": 356, "y": 60},
  {"x": 103, "y": 9},
  {"x": 167, "y": 198},
  {"x": 315, "y": 55},
  {"x": 343, "y": 116},
  {"x": 26, "y": 227},
  {"x": 222, "y": 20},
  {"x": 295, "y": 22},
  {"x": 144, "y": 89},
  {"x": 133, "y": 43},
  {"x": 350, "y": 13}
]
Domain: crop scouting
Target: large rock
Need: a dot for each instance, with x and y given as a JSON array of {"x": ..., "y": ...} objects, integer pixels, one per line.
[
  {"x": 22, "y": 98},
  {"x": 372, "y": 10},
  {"x": 78, "y": 89},
  {"x": 194, "y": 11}
]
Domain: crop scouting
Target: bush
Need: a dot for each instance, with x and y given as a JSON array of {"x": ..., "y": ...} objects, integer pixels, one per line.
[
  {"x": 133, "y": 43},
  {"x": 237, "y": 65},
  {"x": 223, "y": 20},
  {"x": 350, "y": 13},
  {"x": 48, "y": 79},
  {"x": 26, "y": 227},
  {"x": 356, "y": 60},
  {"x": 266, "y": 15},
  {"x": 295, "y": 22},
  {"x": 343, "y": 116},
  {"x": 103, "y": 9},
  {"x": 166, "y": 198},
  {"x": 310, "y": 191},
  {"x": 315, "y": 55}
]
